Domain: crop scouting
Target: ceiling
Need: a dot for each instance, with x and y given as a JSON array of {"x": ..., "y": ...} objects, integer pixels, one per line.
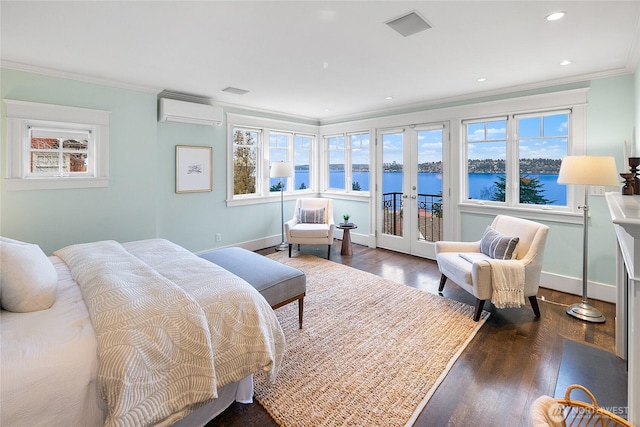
[{"x": 322, "y": 60}]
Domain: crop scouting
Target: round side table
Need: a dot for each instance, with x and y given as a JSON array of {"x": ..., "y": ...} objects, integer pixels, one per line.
[{"x": 346, "y": 238}]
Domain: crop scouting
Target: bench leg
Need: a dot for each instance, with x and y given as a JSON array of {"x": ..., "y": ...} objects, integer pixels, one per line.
[{"x": 300, "y": 310}]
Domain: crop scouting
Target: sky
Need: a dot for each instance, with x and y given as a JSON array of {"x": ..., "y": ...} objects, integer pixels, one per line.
[{"x": 540, "y": 137}]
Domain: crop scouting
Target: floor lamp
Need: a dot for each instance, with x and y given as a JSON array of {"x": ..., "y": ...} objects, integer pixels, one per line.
[
  {"x": 587, "y": 170},
  {"x": 281, "y": 170}
]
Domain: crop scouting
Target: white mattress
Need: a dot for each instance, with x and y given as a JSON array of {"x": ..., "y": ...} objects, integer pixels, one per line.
[
  {"x": 49, "y": 363},
  {"x": 48, "y": 366}
]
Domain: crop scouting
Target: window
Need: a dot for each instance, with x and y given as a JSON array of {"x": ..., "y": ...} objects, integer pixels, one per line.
[
  {"x": 278, "y": 152},
  {"x": 543, "y": 140},
  {"x": 246, "y": 144},
  {"x": 486, "y": 158},
  {"x": 302, "y": 157},
  {"x": 256, "y": 143},
  {"x": 348, "y": 162},
  {"x": 359, "y": 150},
  {"x": 515, "y": 160},
  {"x": 336, "y": 155},
  {"x": 59, "y": 152},
  {"x": 51, "y": 146}
]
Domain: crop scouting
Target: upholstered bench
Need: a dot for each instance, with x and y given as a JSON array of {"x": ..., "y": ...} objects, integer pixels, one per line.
[{"x": 279, "y": 284}]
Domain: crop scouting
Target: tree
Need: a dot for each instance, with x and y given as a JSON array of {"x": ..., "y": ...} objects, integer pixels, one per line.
[
  {"x": 276, "y": 187},
  {"x": 355, "y": 186},
  {"x": 531, "y": 191},
  {"x": 302, "y": 187},
  {"x": 244, "y": 163}
]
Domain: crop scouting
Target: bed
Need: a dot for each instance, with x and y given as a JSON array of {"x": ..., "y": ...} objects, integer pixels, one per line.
[{"x": 139, "y": 333}]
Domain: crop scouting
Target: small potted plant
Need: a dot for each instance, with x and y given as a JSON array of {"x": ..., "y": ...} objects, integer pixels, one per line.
[{"x": 346, "y": 218}]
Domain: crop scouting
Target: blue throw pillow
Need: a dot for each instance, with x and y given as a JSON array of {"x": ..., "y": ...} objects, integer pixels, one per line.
[{"x": 496, "y": 245}]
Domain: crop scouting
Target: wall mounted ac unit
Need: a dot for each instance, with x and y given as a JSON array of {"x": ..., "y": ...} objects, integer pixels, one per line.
[{"x": 172, "y": 110}]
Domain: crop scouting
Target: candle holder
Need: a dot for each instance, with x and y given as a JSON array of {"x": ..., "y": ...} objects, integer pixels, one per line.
[
  {"x": 628, "y": 186},
  {"x": 634, "y": 162}
]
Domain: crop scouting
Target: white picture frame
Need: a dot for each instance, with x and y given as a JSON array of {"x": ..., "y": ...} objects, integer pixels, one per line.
[{"x": 193, "y": 169}]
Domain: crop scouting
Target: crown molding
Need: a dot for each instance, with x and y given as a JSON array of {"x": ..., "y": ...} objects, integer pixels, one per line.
[
  {"x": 51, "y": 72},
  {"x": 476, "y": 96}
]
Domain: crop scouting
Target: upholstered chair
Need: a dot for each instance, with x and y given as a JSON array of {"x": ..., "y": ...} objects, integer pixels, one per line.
[
  {"x": 507, "y": 260},
  {"x": 312, "y": 224}
]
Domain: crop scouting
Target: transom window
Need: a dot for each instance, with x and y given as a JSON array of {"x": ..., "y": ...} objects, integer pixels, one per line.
[{"x": 53, "y": 146}]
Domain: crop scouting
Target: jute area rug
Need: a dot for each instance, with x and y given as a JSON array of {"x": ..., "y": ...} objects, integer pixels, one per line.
[{"x": 371, "y": 351}]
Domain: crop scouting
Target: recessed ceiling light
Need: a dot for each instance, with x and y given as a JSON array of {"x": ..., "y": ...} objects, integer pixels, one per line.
[
  {"x": 482, "y": 79},
  {"x": 389, "y": 98},
  {"x": 555, "y": 16},
  {"x": 565, "y": 62}
]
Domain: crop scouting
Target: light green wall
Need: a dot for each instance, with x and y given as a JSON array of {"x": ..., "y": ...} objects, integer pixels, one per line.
[
  {"x": 610, "y": 118},
  {"x": 141, "y": 202},
  {"x": 637, "y": 107},
  {"x": 193, "y": 219},
  {"x": 126, "y": 210}
]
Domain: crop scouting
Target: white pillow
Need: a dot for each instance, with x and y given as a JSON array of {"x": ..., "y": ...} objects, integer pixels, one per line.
[{"x": 28, "y": 280}]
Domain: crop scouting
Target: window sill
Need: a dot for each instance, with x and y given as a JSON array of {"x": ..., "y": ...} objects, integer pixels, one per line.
[
  {"x": 342, "y": 195},
  {"x": 19, "y": 184},
  {"x": 271, "y": 198},
  {"x": 533, "y": 213}
]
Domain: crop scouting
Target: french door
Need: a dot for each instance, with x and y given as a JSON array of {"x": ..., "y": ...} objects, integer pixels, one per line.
[{"x": 409, "y": 197}]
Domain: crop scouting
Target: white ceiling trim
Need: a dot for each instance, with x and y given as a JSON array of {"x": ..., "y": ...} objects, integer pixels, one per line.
[
  {"x": 74, "y": 76},
  {"x": 343, "y": 118}
]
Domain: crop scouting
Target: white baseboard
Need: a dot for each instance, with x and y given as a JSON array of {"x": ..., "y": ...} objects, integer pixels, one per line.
[{"x": 573, "y": 285}]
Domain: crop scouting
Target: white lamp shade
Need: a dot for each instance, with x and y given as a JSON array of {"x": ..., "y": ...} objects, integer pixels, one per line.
[
  {"x": 588, "y": 170},
  {"x": 281, "y": 170}
]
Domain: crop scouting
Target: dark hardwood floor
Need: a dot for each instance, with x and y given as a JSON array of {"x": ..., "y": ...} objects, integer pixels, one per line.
[{"x": 513, "y": 359}]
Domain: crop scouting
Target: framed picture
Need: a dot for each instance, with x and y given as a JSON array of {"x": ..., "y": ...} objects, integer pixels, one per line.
[{"x": 193, "y": 169}]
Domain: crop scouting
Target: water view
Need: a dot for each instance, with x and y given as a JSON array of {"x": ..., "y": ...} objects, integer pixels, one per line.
[{"x": 431, "y": 183}]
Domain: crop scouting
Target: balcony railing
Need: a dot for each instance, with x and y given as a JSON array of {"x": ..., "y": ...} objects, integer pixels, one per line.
[{"x": 429, "y": 215}]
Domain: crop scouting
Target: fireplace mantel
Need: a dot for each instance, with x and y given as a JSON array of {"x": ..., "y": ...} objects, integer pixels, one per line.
[{"x": 625, "y": 213}]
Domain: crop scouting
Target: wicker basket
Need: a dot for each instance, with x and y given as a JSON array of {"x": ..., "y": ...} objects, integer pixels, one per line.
[{"x": 574, "y": 413}]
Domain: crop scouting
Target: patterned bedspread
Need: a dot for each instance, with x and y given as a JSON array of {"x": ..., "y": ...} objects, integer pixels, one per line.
[{"x": 171, "y": 327}]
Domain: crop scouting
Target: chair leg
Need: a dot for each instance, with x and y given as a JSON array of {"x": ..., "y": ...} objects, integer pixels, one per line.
[
  {"x": 443, "y": 280},
  {"x": 479, "y": 307},
  {"x": 534, "y": 304},
  {"x": 329, "y": 252},
  {"x": 290, "y": 250},
  {"x": 300, "y": 310}
]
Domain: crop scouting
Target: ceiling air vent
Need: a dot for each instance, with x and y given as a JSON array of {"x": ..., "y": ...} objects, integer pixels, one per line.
[
  {"x": 409, "y": 24},
  {"x": 235, "y": 90}
]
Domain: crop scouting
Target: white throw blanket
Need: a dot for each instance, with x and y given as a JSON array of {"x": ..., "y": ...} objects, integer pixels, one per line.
[
  {"x": 507, "y": 279},
  {"x": 171, "y": 327}
]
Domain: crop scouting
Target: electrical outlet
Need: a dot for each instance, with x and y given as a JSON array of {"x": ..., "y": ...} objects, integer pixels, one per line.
[
  {"x": 597, "y": 190},
  {"x": 218, "y": 237}
]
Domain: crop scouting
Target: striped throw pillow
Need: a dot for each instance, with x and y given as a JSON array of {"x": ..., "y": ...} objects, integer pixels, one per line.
[
  {"x": 311, "y": 216},
  {"x": 497, "y": 245}
]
